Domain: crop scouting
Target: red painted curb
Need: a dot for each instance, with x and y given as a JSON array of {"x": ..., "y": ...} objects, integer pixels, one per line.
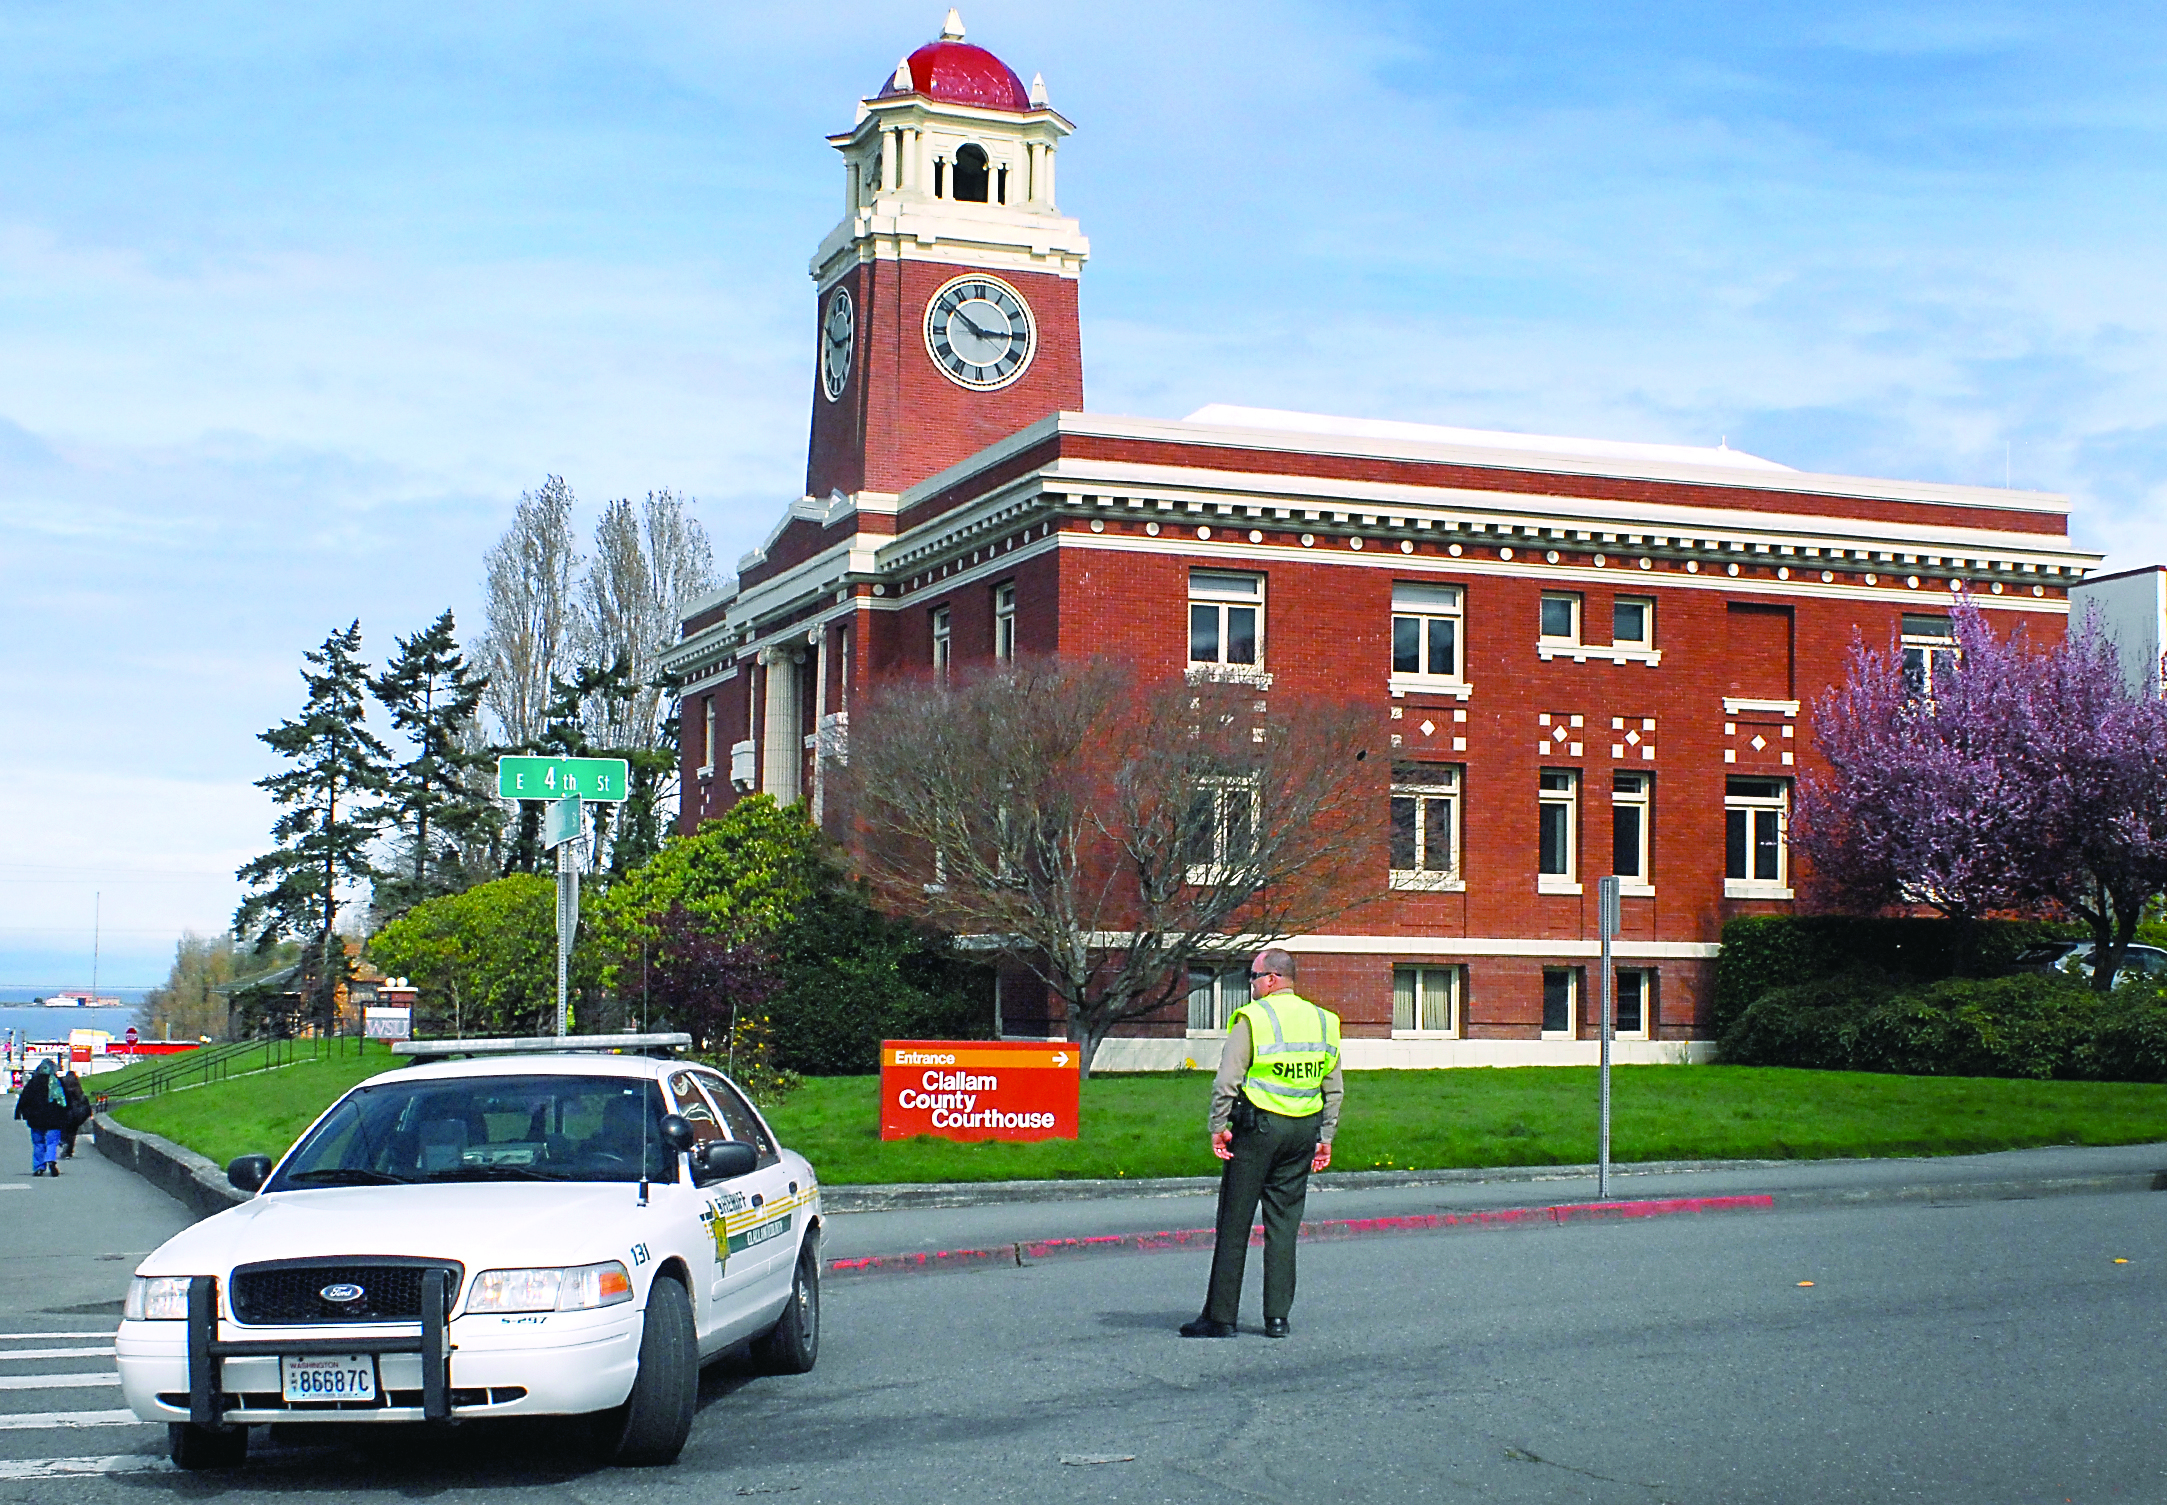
[{"x": 1037, "y": 1250}]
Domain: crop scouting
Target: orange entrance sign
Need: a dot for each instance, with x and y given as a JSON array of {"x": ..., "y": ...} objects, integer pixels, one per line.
[{"x": 978, "y": 1089}]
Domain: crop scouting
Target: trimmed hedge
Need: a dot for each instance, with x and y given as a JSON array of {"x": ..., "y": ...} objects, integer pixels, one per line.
[
  {"x": 2029, "y": 1025},
  {"x": 1775, "y": 951}
]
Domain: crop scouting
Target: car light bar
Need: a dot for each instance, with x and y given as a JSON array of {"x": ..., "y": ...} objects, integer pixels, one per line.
[{"x": 530, "y": 1045}]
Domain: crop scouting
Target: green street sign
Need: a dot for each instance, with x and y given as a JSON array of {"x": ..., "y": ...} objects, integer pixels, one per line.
[
  {"x": 560, "y": 822},
  {"x": 524, "y": 778}
]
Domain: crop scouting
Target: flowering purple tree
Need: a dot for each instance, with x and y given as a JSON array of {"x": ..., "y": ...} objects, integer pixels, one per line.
[
  {"x": 1922, "y": 805},
  {"x": 2100, "y": 755},
  {"x": 2008, "y": 778}
]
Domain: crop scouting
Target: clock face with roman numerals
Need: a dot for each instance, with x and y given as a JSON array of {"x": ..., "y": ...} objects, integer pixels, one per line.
[
  {"x": 980, "y": 333},
  {"x": 838, "y": 332}
]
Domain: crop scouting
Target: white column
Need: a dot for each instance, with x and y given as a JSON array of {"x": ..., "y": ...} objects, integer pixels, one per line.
[
  {"x": 820, "y": 715},
  {"x": 782, "y": 748}
]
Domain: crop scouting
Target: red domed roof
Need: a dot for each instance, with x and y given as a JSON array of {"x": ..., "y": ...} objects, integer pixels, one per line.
[{"x": 958, "y": 73}]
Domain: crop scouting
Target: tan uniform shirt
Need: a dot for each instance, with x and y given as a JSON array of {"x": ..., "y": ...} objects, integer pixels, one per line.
[{"x": 1234, "y": 1065}]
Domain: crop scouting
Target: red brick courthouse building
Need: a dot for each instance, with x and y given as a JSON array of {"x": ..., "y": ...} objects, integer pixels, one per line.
[{"x": 1592, "y": 657}]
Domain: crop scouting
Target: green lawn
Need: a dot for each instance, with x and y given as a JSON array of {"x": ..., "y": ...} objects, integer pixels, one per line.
[
  {"x": 1399, "y": 1120},
  {"x": 1395, "y": 1120},
  {"x": 246, "y": 1115}
]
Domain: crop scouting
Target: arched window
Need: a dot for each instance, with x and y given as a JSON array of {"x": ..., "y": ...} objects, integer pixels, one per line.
[{"x": 971, "y": 175}]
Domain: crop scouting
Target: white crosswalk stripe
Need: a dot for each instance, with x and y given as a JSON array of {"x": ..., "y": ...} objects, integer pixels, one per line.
[
  {"x": 25, "y": 1421},
  {"x": 56, "y": 1381},
  {"x": 103, "y": 1332},
  {"x": 63, "y": 1468},
  {"x": 55, "y": 1353}
]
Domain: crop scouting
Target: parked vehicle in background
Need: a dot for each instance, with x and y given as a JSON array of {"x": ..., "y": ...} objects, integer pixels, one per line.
[{"x": 2075, "y": 958}]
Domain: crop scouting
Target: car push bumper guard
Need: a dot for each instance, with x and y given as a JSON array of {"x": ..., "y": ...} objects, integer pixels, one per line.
[{"x": 206, "y": 1391}]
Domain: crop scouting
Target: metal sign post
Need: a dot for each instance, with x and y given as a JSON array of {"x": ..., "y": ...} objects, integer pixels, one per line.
[
  {"x": 560, "y": 830},
  {"x": 1607, "y": 917}
]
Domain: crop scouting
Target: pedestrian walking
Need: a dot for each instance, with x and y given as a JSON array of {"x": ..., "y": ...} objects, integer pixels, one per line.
[
  {"x": 79, "y": 1111},
  {"x": 1274, "y": 1107},
  {"x": 43, "y": 1104}
]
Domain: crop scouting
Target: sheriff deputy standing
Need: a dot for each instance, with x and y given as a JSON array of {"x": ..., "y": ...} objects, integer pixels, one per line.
[{"x": 1274, "y": 1107}]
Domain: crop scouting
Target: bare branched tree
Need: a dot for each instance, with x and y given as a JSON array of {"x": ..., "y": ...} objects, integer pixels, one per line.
[
  {"x": 649, "y": 559},
  {"x": 1106, "y": 834},
  {"x": 529, "y": 602}
]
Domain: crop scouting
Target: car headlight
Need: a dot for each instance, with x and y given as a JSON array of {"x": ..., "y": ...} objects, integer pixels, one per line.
[
  {"x": 156, "y": 1298},
  {"x": 575, "y": 1289}
]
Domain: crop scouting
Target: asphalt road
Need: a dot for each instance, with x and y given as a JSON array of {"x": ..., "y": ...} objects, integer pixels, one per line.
[{"x": 1984, "y": 1352}]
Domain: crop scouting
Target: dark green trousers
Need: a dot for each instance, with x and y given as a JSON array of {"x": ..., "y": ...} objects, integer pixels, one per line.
[{"x": 1270, "y": 1164}]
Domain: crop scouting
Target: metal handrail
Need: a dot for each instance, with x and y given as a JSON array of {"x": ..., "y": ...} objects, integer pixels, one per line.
[{"x": 218, "y": 1062}]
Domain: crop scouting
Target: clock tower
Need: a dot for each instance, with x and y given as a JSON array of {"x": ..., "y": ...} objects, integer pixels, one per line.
[{"x": 946, "y": 315}]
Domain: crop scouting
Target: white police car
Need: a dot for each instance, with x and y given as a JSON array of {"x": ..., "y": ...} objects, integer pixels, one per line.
[{"x": 516, "y": 1229}]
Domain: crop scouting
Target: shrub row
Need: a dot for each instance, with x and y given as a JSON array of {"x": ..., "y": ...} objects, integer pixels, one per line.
[
  {"x": 1774, "y": 951},
  {"x": 2027, "y": 1025}
]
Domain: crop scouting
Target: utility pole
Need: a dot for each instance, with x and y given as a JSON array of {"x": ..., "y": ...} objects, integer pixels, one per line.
[{"x": 561, "y": 829}]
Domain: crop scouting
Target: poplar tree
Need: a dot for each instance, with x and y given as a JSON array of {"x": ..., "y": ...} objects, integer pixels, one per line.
[
  {"x": 329, "y": 791},
  {"x": 434, "y": 697}
]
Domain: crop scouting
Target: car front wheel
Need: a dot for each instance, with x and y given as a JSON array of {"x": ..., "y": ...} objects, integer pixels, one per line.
[
  {"x": 195, "y": 1447},
  {"x": 656, "y": 1418},
  {"x": 792, "y": 1345}
]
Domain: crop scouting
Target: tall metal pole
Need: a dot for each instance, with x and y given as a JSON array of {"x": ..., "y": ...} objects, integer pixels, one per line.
[
  {"x": 1607, "y": 917},
  {"x": 567, "y": 888}
]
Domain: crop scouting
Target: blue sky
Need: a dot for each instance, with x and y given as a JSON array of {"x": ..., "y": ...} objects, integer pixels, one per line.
[{"x": 295, "y": 300}]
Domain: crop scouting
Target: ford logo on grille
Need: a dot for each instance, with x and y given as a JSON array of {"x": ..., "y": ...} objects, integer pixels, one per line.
[{"x": 342, "y": 1294}]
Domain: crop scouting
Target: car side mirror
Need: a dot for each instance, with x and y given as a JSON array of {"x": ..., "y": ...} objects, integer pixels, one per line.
[
  {"x": 249, "y": 1172},
  {"x": 725, "y": 1160},
  {"x": 677, "y": 1133}
]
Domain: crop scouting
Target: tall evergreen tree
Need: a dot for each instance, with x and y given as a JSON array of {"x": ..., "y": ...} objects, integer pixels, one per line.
[
  {"x": 433, "y": 697},
  {"x": 329, "y": 791}
]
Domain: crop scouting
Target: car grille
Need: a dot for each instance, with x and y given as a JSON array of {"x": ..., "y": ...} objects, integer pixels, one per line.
[{"x": 288, "y": 1292}]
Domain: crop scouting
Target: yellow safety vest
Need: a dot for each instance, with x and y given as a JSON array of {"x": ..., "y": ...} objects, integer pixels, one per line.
[{"x": 1293, "y": 1046}]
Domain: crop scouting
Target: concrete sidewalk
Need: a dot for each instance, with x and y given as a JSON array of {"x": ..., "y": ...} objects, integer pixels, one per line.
[{"x": 1014, "y": 1217}]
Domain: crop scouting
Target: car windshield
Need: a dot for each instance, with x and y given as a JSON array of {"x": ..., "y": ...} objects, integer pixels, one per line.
[{"x": 485, "y": 1128}]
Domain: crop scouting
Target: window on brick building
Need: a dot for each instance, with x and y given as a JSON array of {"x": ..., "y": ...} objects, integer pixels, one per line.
[
  {"x": 941, "y": 641},
  {"x": 1561, "y": 617},
  {"x": 1929, "y": 646},
  {"x": 1226, "y": 618},
  {"x": 1631, "y": 795},
  {"x": 1561, "y": 1003},
  {"x": 1557, "y": 866},
  {"x": 1755, "y": 813},
  {"x": 1632, "y": 622},
  {"x": 1219, "y": 831},
  {"x": 1425, "y": 631},
  {"x": 842, "y": 666},
  {"x": 1633, "y": 1005},
  {"x": 707, "y": 734},
  {"x": 1426, "y": 1001},
  {"x": 1425, "y": 825},
  {"x": 1004, "y": 621},
  {"x": 1216, "y": 994}
]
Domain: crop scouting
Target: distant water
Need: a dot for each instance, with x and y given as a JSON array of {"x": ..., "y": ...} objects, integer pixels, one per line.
[{"x": 54, "y": 1024}]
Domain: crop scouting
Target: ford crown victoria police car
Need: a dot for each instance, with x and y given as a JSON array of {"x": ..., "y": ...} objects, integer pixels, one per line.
[{"x": 512, "y": 1233}]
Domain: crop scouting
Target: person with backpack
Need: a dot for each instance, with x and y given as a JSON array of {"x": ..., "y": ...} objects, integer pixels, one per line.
[
  {"x": 43, "y": 1104},
  {"x": 79, "y": 1112}
]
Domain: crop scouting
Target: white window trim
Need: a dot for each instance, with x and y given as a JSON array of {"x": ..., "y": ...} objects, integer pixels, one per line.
[
  {"x": 1004, "y": 615},
  {"x": 1647, "y": 992},
  {"x": 1762, "y": 888},
  {"x": 1574, "y": 1006},
  {"x": 1429, "y": 880},
  {"x": 1211, "y": 874},
  {"x": 1217, "y": 1000},
  {"x": 1548, "y": 649},
  {"x": 1207, "y": 596},
  {"x": 1459, "y": 1002},
  {"x": 1634, "y": 645},
  {"x": 1642, "y": 887},
  {"x": 1735, "y": 705},
  {"x": 942, "y": 624},
  {"x": 1430, "y": 684},
  {"x": 1571, "y": 642},
  {"x": 1427, "y": 612},
  {"x": 1567, "y": 882}
]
